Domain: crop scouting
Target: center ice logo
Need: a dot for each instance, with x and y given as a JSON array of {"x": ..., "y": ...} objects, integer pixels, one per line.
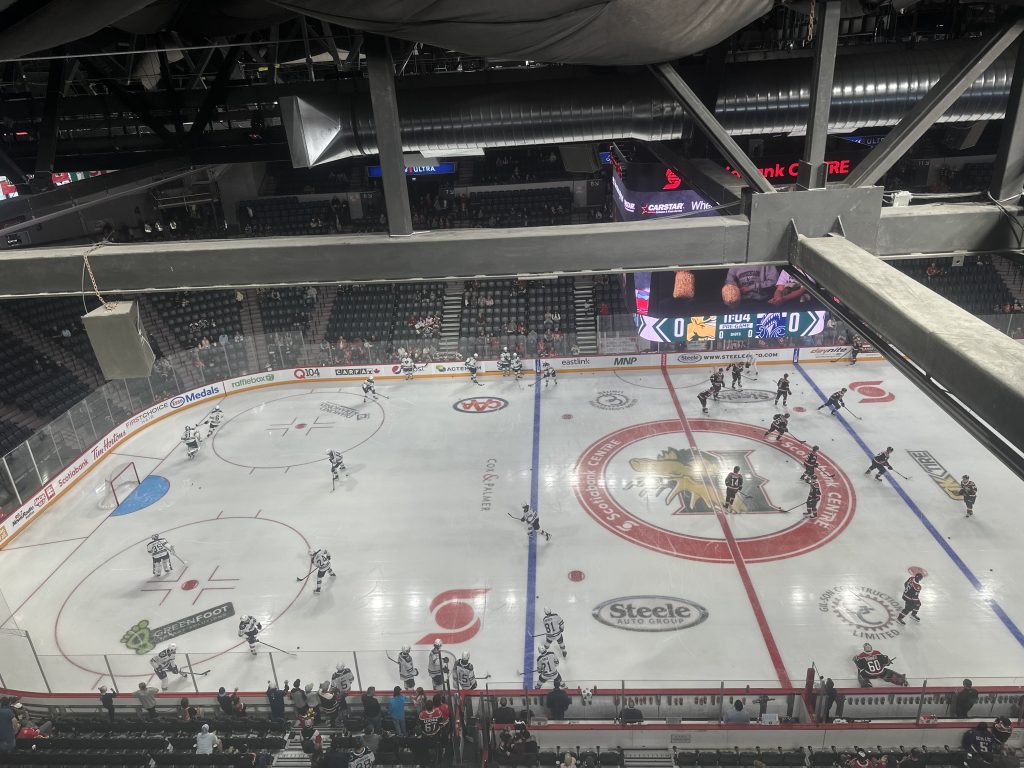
[
  {"x": 637, "y": 484},
  {"x": 480, "y": 404},
  {"x": 870, "y": 612}
]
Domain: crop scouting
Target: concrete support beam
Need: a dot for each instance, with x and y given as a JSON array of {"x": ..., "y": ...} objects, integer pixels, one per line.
[
  {"x": 813, "y": 170},
  {"x": 384, "y": 98},
  {"x": 955, "y": 352},
  {"x": 1008, "y": 169}
]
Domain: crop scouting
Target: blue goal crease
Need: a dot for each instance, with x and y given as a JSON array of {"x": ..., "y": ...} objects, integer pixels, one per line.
[
  {"x": 939, "y": 539},
  {"x": 531, "y": 561}
]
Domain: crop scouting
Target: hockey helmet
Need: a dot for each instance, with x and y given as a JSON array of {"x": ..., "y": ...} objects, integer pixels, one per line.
[
  {"x": 245, "y": 619},
  {"x": 736, "y": 468},
  {"x": 172, "y": 647},
  {"x": 965, "y": 478},
  {"x": 868, "y": 648},
  {"x": 843, "y": 389},
  {"x": 889, "y": 449},
  {"x": 370, "y": 377},
  {"x": 785, "y": 375},
  {"x": 548, "y": 611},
  {"x": 1003, "y": 725},
  {"x": 326, "y": 553},
  {"x": 504, "y": 349},
  {"x": 406, "y": 649},
  {"x": 156, "y": 536},
  {"x": 329, "y": 451},
  {"x": 465, "y": 657},
  {"x": 216, "y": 407},
  {"x": 476, "y": 355},
  {"x": 918, "y": 576},
  {"x": 814, "y": 448},
  {"x": 437, "y": 643},
  {"x": 339, "y": 667}
]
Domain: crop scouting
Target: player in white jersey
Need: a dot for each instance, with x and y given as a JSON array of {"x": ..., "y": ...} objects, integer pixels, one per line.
[
  {"x": 191, "y": 439},
  {"x": 553, "y": 629},
  {"x": 750, "y": 363},
  {"x": 342, "y": 679},
  {"x": 160, "y": 551},
  {"x": 531, "y": 517},
  {"x": 368, "y": 389},
  {"x": 473, "y": 365},
  {"x": 337, "y": 463},
  {"x": 406, "y": 668},
  {"x": 464, "y": 675},
  {"x": 361, "y": 757},
  {"x": 321, "y": 561},
  {"x": 547, "y": 668},
  {"x": 213, "y": 421},
  {"x": 165, "y": 662},
  {"x": 504, "y": 361},
  {"x": 517, "y": 365},
  {"x": 408, "y": 367},
  {"x": 436, "y": 666},
  {"x": 549, "y": 373},
  {"x": 250, "y": 629}
]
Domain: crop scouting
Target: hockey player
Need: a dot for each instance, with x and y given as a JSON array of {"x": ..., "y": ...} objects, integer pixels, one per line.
[
  {"x": 717, "y": 381},
  {"x": 782, "y": 389},
  {"x": 213, "y": 421},
  {"x": 191, "y": 440},
  {"x": 969, "y": 491},
  {"x": 368, "y": 389},
  {"x": 504, "y": 361},
  {"x": 160, "y": 551},
  {"x": 780, "y": 425},
  {"x": 911, "y": 598},
  {"x": 250, "y": 629},
  {"x": 703, "y": 398},
  {"x": 979, "y": 745},
  {"x": 813, "y": 497},
  {"x": 532, "y": 519},
  {"x": 337, "y": 462},
  {"x": 553, "y": 629},
  {"x": 465, "y": 677},
  {"x": 881, "y": 463},
  {"x": 855, "y": 350},
  {"x": 472, "y": 365},
  {"x": 408, "y": 367},
  {"x": 834, "y": 402},
  {"x": 810, "y": 465},
  {"x": 873, "y": 665},
  {"x": 436, "y": 664},
  {"x": 517, "y": 366},
  {"x": 547, "y": 668},
  {"x": 406, "y": 668},
  {"x": 548, "y": 373},
  {"x": 736, "y": 369},
  {"x": 165, "y": 662},
  {"x": 750, "y": 366},
  {"x": 342, "y": 679},
  {"x": 321, "y": 561},
  {"x": 733, "y": 485}
]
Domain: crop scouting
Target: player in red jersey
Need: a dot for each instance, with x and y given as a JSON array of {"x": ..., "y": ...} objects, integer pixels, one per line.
[
  {"x": 911, "y": 598},
  {"x": 874, "y": 665}
]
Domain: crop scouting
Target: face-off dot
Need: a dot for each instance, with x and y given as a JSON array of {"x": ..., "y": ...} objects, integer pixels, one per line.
[
  {"x": 454, "y": 615},
  {"x": 799, "y": 408},
  {"x": 577, "y": 576},
  {"x": 189, "y": 585},
  {"x": 567, "y": 416},
  {"x": 300, "y": 426}
]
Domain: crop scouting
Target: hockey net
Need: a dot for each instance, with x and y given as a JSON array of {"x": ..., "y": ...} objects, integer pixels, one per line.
[{"x": 118, "y": 484}]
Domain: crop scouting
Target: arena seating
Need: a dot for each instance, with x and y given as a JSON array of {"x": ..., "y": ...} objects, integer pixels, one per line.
[
  {"x": 285, "y": 309},
  {"x": 976, "y": 286},
  {"x": 362, "y": 313},
  {"x": 416, "y": 302},
  {"x": 194, "y": 315},
  {"x": 33, "y": 382},
  {"x": 513, "y": 314},
  {"x": 11, "y": 434},
  {"x": 274, "y": 216},
  {"x": 518, "y": 166},
  {"x": 50, "y": 316}
]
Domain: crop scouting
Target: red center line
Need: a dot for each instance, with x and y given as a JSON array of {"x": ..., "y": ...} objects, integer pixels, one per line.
[{"x": 734, "y": 549}]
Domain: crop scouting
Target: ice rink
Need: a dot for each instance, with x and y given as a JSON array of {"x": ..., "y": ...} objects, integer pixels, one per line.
[{"x": 657, "y": 585}]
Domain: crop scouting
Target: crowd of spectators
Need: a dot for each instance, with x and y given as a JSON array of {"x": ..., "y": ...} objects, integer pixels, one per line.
[{"x": 522, "y": 166}]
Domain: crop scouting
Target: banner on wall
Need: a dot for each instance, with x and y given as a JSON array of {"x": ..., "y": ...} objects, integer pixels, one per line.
[{"x": 631, "y": 205}]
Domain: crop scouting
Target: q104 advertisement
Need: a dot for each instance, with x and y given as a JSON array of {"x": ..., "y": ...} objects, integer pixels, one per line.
[{"x": 746, "y": 302}]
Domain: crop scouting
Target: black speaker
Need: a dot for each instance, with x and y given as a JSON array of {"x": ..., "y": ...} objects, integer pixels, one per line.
[{"x": 116, "y": 334}]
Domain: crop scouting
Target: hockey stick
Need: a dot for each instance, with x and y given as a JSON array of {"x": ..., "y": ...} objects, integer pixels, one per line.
[
  {"x": 171, "y": 550},
  {"x": 194, "y": 674},
  {"x": 836, "y": 360},
  {"x": 896, "y": 471},
  {"x": 744, "y": 495},
  {"x": 780, "y": 509},
  {"x": 334, "y": 480},
  {"x": 858, "y": 418},
  {"x": 282, "y": 650},
  {"x": 302, "y": 578},
  {"x": 378, "y": 394}
]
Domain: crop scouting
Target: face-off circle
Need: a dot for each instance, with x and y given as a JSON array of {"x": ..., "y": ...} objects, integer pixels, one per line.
[
  {"x": 644, "y": 484},
  {"x": 297, "y": 429}
]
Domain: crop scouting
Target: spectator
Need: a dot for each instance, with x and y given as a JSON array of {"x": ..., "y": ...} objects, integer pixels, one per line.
[
  {"x": 914, "y": 760},
  {"x": 147, "y": 699},
  {"x": 737, "y": 714},
  {"x": 237, "y": 705},
  {"x": 978, "y": 743},
  {"x": 361, "y": 757},
  {"x": 276, "y": 699},
  {"x": 371, "y": 709},
  {"x": 504, "y": 714},
  {"x": 8, "y": 726},
  {"x": 419, "y": 701},
  {"x": 298, "y": 697},
  {"x": 1002, "y": 729},
  {"x": 312, "y": 743},
  {"x": 371, "y": 739},
  {"x": 859, "y": 760},
  {"x": 224, "y": 700},
  {"x": 313, "y": 700},
  {"x": 206, "y": 741},
  {"x": 107, "y": 701},
  {"x": 306, "y": 720},
  {"x": 557, "y": 702},
  {"x": 396, "y": 709},
  {"x": 186, "y": 712},
  {"x": 630, "y": 715},
  {"x": 335, "y": 757},
  {"x": 568, "y": 760},
  {"x": 964, "y": 699},
  {"x": 246, "y": 757}
]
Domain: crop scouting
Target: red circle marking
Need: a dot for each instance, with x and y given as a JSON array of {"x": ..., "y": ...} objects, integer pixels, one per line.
[
  {"x": 871, "y": 391},
  {"x": 300, "y": 426},
  {"x": 799, "y": 408},
  {"x": 454, "y": 615},
  {"x": 189, "y": 585},
  {"x": 836, "y": 510},
  {"x": 577, "y": 576}
]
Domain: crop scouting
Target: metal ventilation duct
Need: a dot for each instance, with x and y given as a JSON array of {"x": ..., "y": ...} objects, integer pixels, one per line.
[{"x": 871, "y": 89}]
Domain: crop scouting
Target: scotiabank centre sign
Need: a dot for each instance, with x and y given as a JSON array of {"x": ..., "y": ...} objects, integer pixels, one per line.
[{"x": 790, "y": 170}]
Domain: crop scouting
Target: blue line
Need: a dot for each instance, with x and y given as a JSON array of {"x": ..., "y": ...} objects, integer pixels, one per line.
[
  {"x": 940, "y": 540},
  {"x": 531, "y": 562}
]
